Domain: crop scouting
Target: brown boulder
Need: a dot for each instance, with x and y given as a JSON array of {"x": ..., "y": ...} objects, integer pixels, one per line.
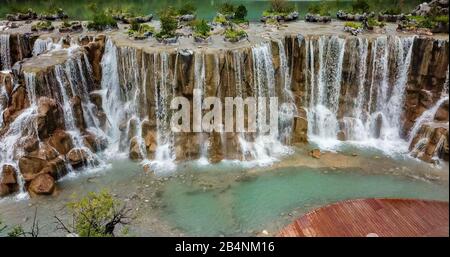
[
  {"x": 43, "y": 184},
  {"x": 135, "y": 151},
  {"x": 315, "y": 153},
  {"x": 31, "y": 144},
  {"x": 61, "y": 141},
  {"x": 29, "y": 166},
  {"x": 77, "y": 157},
  {"x": 8, "y": 175}
]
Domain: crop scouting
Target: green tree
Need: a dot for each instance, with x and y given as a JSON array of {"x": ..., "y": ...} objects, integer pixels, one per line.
[
  {"x": 169, "y": 22},
  {"x": 95, "y": 215},
  {"x": 241, "y": 12},
  {"x": 227, "y": 9},
  {"x": 201, "y": 28}
]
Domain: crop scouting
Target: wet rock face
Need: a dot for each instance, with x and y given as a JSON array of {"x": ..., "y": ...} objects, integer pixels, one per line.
[
  {"x": 8, "y": 180},
  {"x": 426, "y": 79}
]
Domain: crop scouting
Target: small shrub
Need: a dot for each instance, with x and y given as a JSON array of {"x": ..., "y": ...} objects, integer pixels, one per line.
[
  {"x": 16, "y": 231},
  {"x": 102, "y": 21},
  {"x": 441, "y": 18},
  {"x": 280, "y": 6},
  {"x": 354, "y": 25},
  {"x": 220, "y": 19},
  {"x": 169, "y": 22},
  {"x": 393, "y": 11},
  {"x": 375, "y": 23},
  {"x": 360, "y": 6},
  {"x": 241, "y": 12},
  {"x": 42, "y": 25},
  {"x": 321, "y": 9},
  {"x": 202, "y": 29},
  {"x": 187, "y": 8},
  {"x": 95, "y": 215},
  {"x": 234, "y": 35},
  {"x": 227, "y": 9}
]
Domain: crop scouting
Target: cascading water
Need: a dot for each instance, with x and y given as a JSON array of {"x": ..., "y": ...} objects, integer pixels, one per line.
[
  {"x": 164, "y": 154},
  {"x": 374, "y": 117},
  {"x": 5, "y": 53},
  {"x": 287, "y": 109},
  {"x": 265, "y": 148},
  {"x": 44, "y": 45},
  {"x": 23, "y": 128},
  {"x": 325, "y": 88},
  {"x": 199, "y": 78}
]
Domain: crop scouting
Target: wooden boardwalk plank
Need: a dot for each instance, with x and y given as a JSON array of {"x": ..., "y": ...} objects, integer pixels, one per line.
[{"x": 384, "y": 217}]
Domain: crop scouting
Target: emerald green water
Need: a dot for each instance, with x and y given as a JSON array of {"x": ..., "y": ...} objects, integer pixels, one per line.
[
  {"x": 222, "y": 199},
  {"x": 205, "y": 8},
  {"x": 259, "y": 202}
]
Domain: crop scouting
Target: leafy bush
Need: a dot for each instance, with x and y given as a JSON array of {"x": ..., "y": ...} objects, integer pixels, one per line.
[
  {"x": 354, "y": 25},
  {"x": 281, "y": 6},
  {"x": 102, "y": 21},
  {"x": 187, "y": 8},
  {"x": 169, "y": 22},
  {"x": 16, "y": 231},
  {"x": 95, "y": 215},
  {"x": 241, "y": 12},
  {"x": 234, "y": 35},
  {"x": 393, "y": 11},
  {"x": 375, "y": 23},
  {"x": 361, "y": 6},
  {"x": 140, "y": 30},
  {"x": 201, "y": 28},
  {"x": 227, "y": 9},
  {"x": 321, "y": 9},
  {"x": 441, "y": 18},
  {"x": 221, "y": 19},
  {"x": 42, "y": 25}
]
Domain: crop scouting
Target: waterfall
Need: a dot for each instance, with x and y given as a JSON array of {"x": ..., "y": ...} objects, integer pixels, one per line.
[
  {"x": 44, "y": 45},
  {"x": 112, "y": 103},
  {"x": 427, "y": 116},
  {"x": 324, "y": 97},
  {"x": 68, "y": 79},
  {"x": 164, "y": 155},
  {"x": 374, "y": 117},
  {"x": 23, "y": 128},
  {"x": 287, "y": 109},
  {"x": 199, "y": 80},
  {"x": 4, "y": 98},
  {"x": 265, "y": 148},
  {"x": 5, "y": 52}
]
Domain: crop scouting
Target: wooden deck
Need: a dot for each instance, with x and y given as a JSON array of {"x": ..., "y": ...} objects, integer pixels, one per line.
[{"x": 383, "y": 217}]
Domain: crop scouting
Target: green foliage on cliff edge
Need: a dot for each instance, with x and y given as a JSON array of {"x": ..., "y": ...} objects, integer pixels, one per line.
[
  {"x": 101, "y": 20},
  {"x": 201, "y": 28},
  {"x": 169, "y": 22},
  {"x": 321, "y": 9},
  {"x": 354, "y": 25}
]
